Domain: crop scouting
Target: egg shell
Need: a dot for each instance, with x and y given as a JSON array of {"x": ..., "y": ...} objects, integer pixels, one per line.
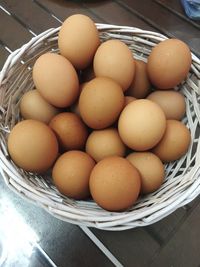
[
  {"x": 171, "y": 102},
  {"x": 34, "y": 106},
  {"x": 71, "y": 174},
  {"x": 113, "y": 59},
  {"x": 78, "y": 40},
  {"x": 151, "y": 170},
  {"x": 140, "y": 86},
  {"x": 169, "y": 63},
  {"x": 141, "y": 124},
  {"x": 175, "y": 142},
  {"x": 115, "y": 184},
  {"x": 71, "y": 132},
  {"x": 56, "y": 80},
  {"x": 101, "y": 102},
  {"x": 104, "y": 143},
  {"x": 33, "y": 146}
]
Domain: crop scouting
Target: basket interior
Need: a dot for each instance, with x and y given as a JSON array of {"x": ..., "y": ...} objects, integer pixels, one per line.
[{"x": 180, "y": 175}]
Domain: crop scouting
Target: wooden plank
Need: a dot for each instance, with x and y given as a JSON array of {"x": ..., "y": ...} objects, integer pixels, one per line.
[
  {"x": 62, "y": 9},
  {"x": 164, "y": 229},
  {"x": 31, "y": 15},
  {"x": 183, "y": 249},
  {"x": 176, "y": 7},
  {"x": 113, "y": 13},
  {"x": 131, "y": 247},
  {"x": 3, "y": 55},
  {"x": 165, "y": 21},
  {"x": 12, "y": 33}
]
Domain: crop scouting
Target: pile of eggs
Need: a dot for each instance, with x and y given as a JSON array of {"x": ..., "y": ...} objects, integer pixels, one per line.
[{"x": 95, "y": 121}]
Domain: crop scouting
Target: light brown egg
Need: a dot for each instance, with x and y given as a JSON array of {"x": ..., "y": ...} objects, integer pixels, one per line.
[
  {"x": 175, "y": 142},
  {"x": 78, "y": 40},
  {"x": 141, "y": 124},
  {"x": 128, "y": 99},
  {"x": 104, "y": 143},
  {"x": 114, "y": 60},
  {"x": 171, "y": 102},
  {"x": 140, "y": 86},
  {"x": 151, "y": 170},
  {"x": 70, "y": 131},
  {"x": 71, "y": 174},
  {"x": 115, "y": 184},
  {"x": 101, "y": 102},
  {"x": 34, "y": 106},
  {"x": 33, "y": 146},
  {"x": 56, "y": 80},
  {"x": 169, "y": 63}
]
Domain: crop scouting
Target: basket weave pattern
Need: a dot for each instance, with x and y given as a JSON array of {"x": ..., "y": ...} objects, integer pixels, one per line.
[{"x": 182, "y": 182}]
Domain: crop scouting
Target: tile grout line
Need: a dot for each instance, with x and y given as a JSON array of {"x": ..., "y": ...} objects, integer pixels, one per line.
[{"x": 101, "y": 246}]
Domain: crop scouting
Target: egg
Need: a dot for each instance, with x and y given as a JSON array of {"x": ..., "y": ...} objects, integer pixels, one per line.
[
  {"x": 104, "y": 143},
  {"x": 171, "y": 102},
  {"x": 114, "y": 60},
  {"x": 128, "y": 99},
  {"x": 33, "y": 146},
  {"x": 78, "y": 40},
  {"x": 140, "y": 86},
  {"x": 141, "y": 124},
  {"x": 101, "y": 102},
  {"x": 115, "y": 184},
  {"x": 175, "y": 142},
  {"x": 70, "y": 131},
  {"x": 151, "y": 170},
  {"x": 169, "y": 63},
  {"x": 71, "y": 174},
  {"x": 34, "y": 106},
  {"x": 56, "y": 80}
]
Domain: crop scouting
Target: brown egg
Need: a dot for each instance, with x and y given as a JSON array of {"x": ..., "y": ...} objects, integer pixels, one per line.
[
  {"x": 169, "y": 63},
  {"x": 78, "y": 40},
  {"x": 140, "y": 86},
  {"x": 101, "y": 102},
  {"x": 88, "y": 74},
  {"x": 70, "y": 131},
  {"x": 104, "y": 143},
  {"x": 141, "y": 124},
  {"x": 171, "y": 102},
  {"x": 56, "y": 80},
  {"x": 74, "y": 108},
  {"x": 150, "y": 168},
  {"x": 128, "y": 99},
  {"x": 175, "y": 142},
  {"x": 115, "y": 184},
  {"x": 114, "y": 60},
  {"x": 34, "y": 106},
  {"x": 33, "y": 146},
  {"x": 71, "y": 174}
]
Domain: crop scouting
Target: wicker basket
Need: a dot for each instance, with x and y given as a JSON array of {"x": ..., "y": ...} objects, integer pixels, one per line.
[{"x": 182, "y": 183}]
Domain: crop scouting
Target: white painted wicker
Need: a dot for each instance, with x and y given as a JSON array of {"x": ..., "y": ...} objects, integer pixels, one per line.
[{"x": 182, "y": 183}]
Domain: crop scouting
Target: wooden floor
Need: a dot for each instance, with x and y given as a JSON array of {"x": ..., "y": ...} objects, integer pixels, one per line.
[{"x": 174, "y": 241}]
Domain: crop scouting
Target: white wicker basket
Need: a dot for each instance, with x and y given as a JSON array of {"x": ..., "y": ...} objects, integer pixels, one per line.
[{"x": 182, "y": 183}]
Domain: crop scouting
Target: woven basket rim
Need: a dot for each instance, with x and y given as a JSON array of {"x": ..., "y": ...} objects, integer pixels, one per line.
[{"x": 82, "y": 215}]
